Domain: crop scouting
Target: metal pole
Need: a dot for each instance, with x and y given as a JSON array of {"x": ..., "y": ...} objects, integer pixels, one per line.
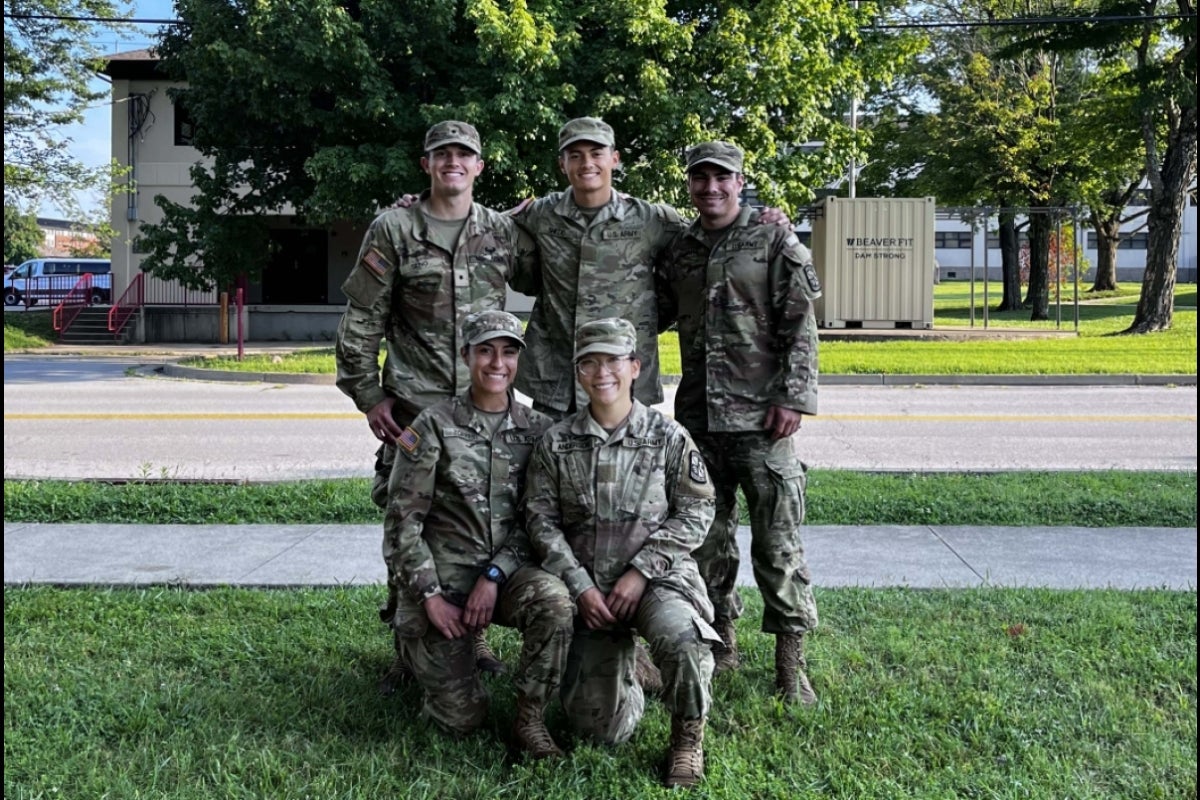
[
  {"x": 986, "y": 277},
  {"x": 974, "y": 222},
  {"x": 854, "y": 126},
  {"x": 240, "y": 332}
]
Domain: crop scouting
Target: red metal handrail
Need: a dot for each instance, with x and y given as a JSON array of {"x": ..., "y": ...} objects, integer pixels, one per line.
[
  {"x": 76, "y": 300},
  {"x": 130, "y": 301}
]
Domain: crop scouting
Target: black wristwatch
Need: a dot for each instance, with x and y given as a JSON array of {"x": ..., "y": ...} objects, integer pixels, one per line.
[{"x": 495, "y": 574}]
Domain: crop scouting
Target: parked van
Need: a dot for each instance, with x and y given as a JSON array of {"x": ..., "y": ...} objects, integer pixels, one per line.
[{"x": 50, "y": 279}]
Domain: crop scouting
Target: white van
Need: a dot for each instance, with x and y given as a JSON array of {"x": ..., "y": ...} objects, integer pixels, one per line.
[{"x": 50, "y": 279}]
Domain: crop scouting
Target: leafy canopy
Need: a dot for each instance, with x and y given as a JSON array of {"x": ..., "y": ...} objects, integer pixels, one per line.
[{"x": 323, "y": 109}]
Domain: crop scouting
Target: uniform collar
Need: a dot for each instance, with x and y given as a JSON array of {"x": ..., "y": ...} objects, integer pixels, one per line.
[
  {"x": 585, "y": 425},
  {"x": 567, "y": 207},
  {"x": 466, "y": 415},
  {"x": 745, "y": 215}
]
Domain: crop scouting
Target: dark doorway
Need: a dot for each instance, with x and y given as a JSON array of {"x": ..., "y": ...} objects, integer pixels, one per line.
[{"x": 299, "y": 269}]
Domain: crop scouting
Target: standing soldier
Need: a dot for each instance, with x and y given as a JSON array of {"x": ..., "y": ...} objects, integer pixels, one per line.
[
  {"x": 420, "y": 272},
  {"x": 742, "y": 296},
  {"x": 617, "y": 499},
  {"x": 456, "y": 546},
  {"x": 598, "y": 249}
]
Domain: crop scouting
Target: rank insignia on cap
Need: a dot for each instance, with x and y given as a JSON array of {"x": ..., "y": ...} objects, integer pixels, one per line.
[
  {"x": 376, "y": 262},
  {"x": 696, "y": 470},
  {"x": 408, "y": 439}
]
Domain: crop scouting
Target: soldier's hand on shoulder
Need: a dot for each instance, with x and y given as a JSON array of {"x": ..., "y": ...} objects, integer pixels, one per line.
[
  {"x": 774, "y": 216},
  {"x": 405, "y": 201}
]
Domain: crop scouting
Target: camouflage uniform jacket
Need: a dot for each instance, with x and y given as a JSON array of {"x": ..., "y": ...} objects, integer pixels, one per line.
[
  {"x": 454, "y": 495},
  {"x": 415, "y": 295},
  {"x": 597, "y": 504},
  {"x": 605, "y": 269},
  {"x": 747, "y": 328}
]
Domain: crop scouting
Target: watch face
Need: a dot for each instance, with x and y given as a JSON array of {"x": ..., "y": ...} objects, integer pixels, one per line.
[{"x": 493, "y": 574}]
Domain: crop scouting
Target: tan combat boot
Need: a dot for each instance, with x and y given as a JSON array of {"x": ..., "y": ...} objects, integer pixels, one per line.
[
  {"x": 726, "y": 657},
  {"x": 485, "y": 659},
  {"x": 685, "y": 762},
  {"x": 644, "y": 670},
  {"x": 529, "y": 731},
  {"x": 398, "y": 672},
  {"x": 791, "y": 684}
]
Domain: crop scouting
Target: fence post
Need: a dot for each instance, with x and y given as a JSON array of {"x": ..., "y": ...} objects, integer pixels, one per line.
[
  {"x": 240, "y": 332},
  {"x": 223, "y": 320}
]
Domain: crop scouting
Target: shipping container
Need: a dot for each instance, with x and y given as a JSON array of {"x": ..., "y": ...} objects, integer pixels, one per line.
[{"x": 874, "y": 257}]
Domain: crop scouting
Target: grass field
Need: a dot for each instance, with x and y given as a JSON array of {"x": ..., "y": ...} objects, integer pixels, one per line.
[{"x": 233, "y": 693}]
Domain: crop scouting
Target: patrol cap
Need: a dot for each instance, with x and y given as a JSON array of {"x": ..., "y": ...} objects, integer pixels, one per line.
[
  {"x": 614, "y": 336},
  {"x": 484, "y": 325},
  {"x": 723, "y": 154},
  {"x": 586, "y": 129},
  {"x": 453, "y": 132}
]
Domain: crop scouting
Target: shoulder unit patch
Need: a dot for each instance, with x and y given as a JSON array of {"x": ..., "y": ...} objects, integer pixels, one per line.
[{"x": 696, "y": 469}]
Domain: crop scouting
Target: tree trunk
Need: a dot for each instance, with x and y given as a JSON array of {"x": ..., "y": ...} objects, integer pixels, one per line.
[
  {"x": 1010, "y": 263},
  {"x": 1108, "y": 236},
  {"x": 1038, "y": 298},
  {"x": 1168, "y": 195}
]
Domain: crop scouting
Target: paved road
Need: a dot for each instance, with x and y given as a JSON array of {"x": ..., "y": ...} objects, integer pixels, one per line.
[{"x": 88, "y": 418}]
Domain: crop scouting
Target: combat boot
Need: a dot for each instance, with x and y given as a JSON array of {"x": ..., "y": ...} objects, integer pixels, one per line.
[
  {"x": 485, "y": 659},
  {"x": 398, "y": 673},
  {"x": 529, "y": 730},
  {"x": 685, "y": 762},
  {"x": 726, "y": 656},
  {"x": 644, "y": 670},
  {"x": 791, "y": 684}
]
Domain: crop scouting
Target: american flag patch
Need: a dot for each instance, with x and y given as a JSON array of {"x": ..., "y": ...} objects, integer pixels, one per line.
[
  {"x": 408, "y": 439},
  {"x": 376, "y": 262}
]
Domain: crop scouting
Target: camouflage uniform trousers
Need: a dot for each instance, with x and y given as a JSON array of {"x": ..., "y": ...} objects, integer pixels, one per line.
[
  {"x": 772, "y": 477},
  {"x": 602, "y": 698},
  {"x": 532, "y": 601}
]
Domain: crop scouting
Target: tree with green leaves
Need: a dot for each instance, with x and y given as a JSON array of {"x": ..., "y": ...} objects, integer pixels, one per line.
[
  {"x": 322, "y": 109},
  {"x": 1158, "y": 37},
  {"x": 48, "y": 68},
  {"x": 991, "y": 115},
  {"x": 23, "y": 238}
]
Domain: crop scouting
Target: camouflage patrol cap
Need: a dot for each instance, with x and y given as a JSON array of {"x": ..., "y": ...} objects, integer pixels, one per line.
[
  {"x": 484, "y": 325},
  {"x": 723, "y": 154},
  {"x": 586, "y": 129},
  {"x": 614, "y": 336},
  {"x": 453, "y": 132}
]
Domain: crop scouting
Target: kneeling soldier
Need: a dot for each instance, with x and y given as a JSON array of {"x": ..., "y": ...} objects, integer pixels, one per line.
[
  {"x": 618, "y": 497},
  {"x": 455, "y": 544}
]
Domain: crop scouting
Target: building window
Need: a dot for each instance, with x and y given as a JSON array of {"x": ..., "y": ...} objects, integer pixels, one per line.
[
  {"x": 185, "y": 128},
  {"x": 952, "y": 240},
  {"x": 1135, "y": 241},
  {"x": 993, "y": 240}
]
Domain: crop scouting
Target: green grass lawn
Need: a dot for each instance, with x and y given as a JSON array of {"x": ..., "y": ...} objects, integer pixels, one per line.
[
  {"x": 238, "y": 693},
  {"x": 1096, "y": 350},
  {"x": 835, "y": 497}
]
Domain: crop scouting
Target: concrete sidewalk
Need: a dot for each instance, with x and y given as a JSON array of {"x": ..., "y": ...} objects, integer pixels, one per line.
[{"x": 337, "y": 555}]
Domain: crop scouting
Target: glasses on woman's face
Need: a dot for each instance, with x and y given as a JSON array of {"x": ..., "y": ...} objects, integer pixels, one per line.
[{"x": 590, "y": 367}]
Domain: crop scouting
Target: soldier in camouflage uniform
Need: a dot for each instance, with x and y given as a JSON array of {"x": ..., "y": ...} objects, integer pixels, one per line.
[
  {"x": 742, "y": 296},
  {"x": 617, "y": 499},
  {"x": 598, "y": 249},
  {"x": 420, "y": 272},
  {"x": 456, "y": 546}
]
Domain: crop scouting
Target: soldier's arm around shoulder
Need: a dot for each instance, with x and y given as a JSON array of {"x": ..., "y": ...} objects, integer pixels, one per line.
[
  {"x": 525, "y": 275},
  {"x": 411, "y": 490}
]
